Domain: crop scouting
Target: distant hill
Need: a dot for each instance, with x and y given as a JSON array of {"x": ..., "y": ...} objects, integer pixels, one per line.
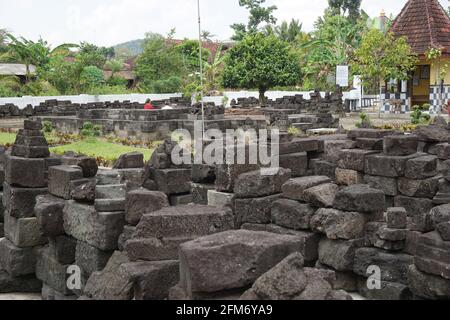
[{"x": 134, "y": 46}]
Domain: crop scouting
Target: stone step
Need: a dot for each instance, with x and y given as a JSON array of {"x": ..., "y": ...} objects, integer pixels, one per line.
[
  {"x": 112, "y": 191},
  {"x": 110, "y": 205},
  {"x": 107, "y": 177}
]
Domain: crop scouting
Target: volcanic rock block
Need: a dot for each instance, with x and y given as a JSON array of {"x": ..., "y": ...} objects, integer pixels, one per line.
[
  {"x": 51, "y": 272},
  {"x": 62, "y": 248},
  {"x": 360, "y": 198},
  {"x": 294, "y": 188},
  {"x": 289, "y": 280},
  {"x": 388, "y": 291},
  {"x": 16, "y": 261},
  {"x": 348, "y": 177},
  {"x": 23, "y": 172},
  {"x": 226, "y": 175},
  {"x": 113, "y": 282},
  {"x": 297, "y": 145},
  {"x": 140, "y": 202},
  {"x": 309, "y": 240},
  {"x": 432, "y": 255},
  {"x": 99, "y": 229},
  {"x": 388, "y": 185},
  {"x": 421, "y": 167},
  {"x": 84, "y": 193},
  {"x": 338, "y": 254},
  {"x": 321, "y": 196},
  {"x": 426, "y": 188},
  {"x": 199, "y": 192},
  {"x": 427, "y": 286},
  {"x": 172, "y": 181},
  {"x": 296, "y": 162},
  {"x": 400, "y": 145},
  {"x": 126, "y": 235},
  {"x": 20, "y": 202},
  {"x": 87, "y": 164},
  {"x": 432, "y": 133},
  {"x": 49, "y": 213},
  {"x": 258, "y": 184},
  {"x": 129, "y": 161},
  {"x": 153, "y": 280},
  {"x": 203, "y": 173},
  {"x": 387, "y": 166},
  {"x": 333, "y": 147},
  {"x": 418, "y": 209},
  {"x": 24, "y": 232},
  {"x": 60, "y": 178},
  {"x": 231, "y": 259},
  {"x": 89, "y": 258},
  {"x": 396, "y": 218},
  {"x": 32, "y": 125},
  {"x": 30, "y": 151},
  {"x": 220, "y": 199},
  {"x": 369, "y": 133},
  {"x": 440, "y": 214},
  {"x": 50, "y": 294},
  {"x": 389, "y": 234},
  {"x": 253, "y": 210},
  {"x": 394, "y": 267},
  {"x": 113, "y": 191},
  {"x": 323, "y": 168},
  {"x": 444, "y": 230},
  {"x": 442, "y": 150},
  {"x": 338, "y": 224},
  {"x": 369, "y": 144},
  {"x": 353, "y": 159},
  {"x": 291, "y": 214},
  {"x": 10, "y": 284},
  {"x": 180, "y": 199},
  {"x": 106, "y": 177},
  {"x": 132, "y": 178}
]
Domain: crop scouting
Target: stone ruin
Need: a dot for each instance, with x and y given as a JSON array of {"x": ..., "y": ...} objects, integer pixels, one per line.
[{"x": 337, "y": 206}]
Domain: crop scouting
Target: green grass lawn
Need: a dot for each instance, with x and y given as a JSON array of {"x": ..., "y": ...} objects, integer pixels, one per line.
[{"x": 91, "y": 147}]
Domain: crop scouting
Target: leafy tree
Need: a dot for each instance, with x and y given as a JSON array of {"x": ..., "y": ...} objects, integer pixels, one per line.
[
  {"x": 91, "y": 76},
  {"x": 91, "y": 55},
  {"x": 340, "y": 7},
  {"x": 114, "y": 65},
  {"x": 207, "y": 36},
  {"x": 158, "y": 62},
  {"x": 258, "y": 15},
  {"x": 188, "y": 50},
  {"x": 383, "y": 57},
  {"x": 289, "y": 31},
  {"x": 262, "y": 62}
]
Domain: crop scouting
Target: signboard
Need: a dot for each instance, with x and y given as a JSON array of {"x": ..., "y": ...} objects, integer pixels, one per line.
[{"x": 342, "y": 76}]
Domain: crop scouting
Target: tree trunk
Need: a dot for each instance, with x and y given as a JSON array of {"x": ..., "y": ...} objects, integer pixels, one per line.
[{"x": 262, "y": 98}]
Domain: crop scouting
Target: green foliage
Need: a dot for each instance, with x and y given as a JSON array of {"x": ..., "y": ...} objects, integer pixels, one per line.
[
  {"x": 418, "y": 117},
  {"x": 365, "y": 122},
  {"x": 258, "y": 15},
  {"x": 91, "y": 76},
  {"x": 294, "y": 131},
  {"x": 117, "y": 81},
  {"x": 262, "y": 62},
  {"x": 91, "y": 130},
  {"x": 352, "y": 7},
  {"x": 47, "y": 126},
  {"x": 189, "y": 52},
  {"x": 114, "y": 65},
  {"x": 383, "y": 57},
  {"x": 289, "y": 32}
]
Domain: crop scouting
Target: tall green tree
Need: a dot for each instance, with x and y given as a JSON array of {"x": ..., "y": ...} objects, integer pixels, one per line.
[
  {"x": 341, "y": 7},
  {"x": 289, "y": 31},
  {"x": 382, "y": 57},
  {"x": 258, "y": 15},
  {"x": 189, "y": 52},
  {"x": 262, "y": 62}
]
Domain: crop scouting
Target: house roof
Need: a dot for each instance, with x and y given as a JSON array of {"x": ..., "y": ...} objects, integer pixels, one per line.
[
  {"x": 127, "y": 75},
  {"x": 15, "y": 69},
  {"x": 426, "y": 25}
]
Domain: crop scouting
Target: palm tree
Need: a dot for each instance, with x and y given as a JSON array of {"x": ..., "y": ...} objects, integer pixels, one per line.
[
  {"x": 207, "y": 36},
  {"x": 289, "y": 31}
]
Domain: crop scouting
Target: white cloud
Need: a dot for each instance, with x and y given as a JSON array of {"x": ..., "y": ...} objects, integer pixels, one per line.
[{"x": 108, "y": 22}]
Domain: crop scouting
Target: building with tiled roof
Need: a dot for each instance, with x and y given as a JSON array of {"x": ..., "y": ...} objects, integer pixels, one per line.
[{"x": 426, "y": 25}]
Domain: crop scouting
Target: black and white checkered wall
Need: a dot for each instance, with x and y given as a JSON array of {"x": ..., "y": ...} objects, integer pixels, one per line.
[
  {"x": 434, "y": 94},
  {"x": 386, "y": 106}
]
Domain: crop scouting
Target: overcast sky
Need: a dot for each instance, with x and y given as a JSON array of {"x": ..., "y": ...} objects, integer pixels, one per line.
[{"x": 109, "y": 22}]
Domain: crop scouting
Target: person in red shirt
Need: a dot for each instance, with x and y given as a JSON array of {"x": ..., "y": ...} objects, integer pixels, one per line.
[{"x": 148, "y": 105}]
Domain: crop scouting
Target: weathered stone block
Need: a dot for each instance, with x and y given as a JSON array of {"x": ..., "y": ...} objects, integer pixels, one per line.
[
  {"x": 321, "y": 196},
  {"x": 259, "y": 183},
  {"x": 24, "y": 232},
  {"x": 427, "y": 286},
  {"x": 171, "y": 181},
  {"x": 62, "y": 248},
  {"x": 89, "y": 258},
  {"x": 291, "y": 214},
  {"x": 332, "y": 148},
  {"x": 20, "y": 202},
  {"x": 199, "y": 192},
  {"x": 203, "y": 173},
  {"x": 396, "y": 218},
  {"x": 294, "y": 188},
  {"x": 51, "y": 272},
  {"x": 49, "y": 212},
  {"x": 129, "y": 161},
  {"x": 254, "y": 210},
  {"x": 353, "y": 159},
  {"x": 348, "y": 177},
  {"x": 369, "y": 133},
  {"x": 109, "y": 205},
  {"x": 385, "y": 184},
  {"x": 360, "y": 198},
  {"x": 369, "y": 144},
  {"x": 226, "y": 175},
  {"x": 323, "y": 168},
  {"x": 418, "y": 209},
  {"x": 16, "y": 261},
  {"x": 387, "y": 166},
  {"x": 388, "y": 291},
  {"x": 26, "y": 284},
  {"x": 180, "y": 199},
  {"x": 140, "y": 202},
  {"x": 400, "y": 145},
  {"x": 426, "y": 188},
  {"x": 100, "y": 230},
  {"x": 223, "y": 261},
  {"x": 432, "y": 255},
  {"x": 23, "y": 172},
  {"x": 338, "y": 224},
  {"x": 296, "y": 162},
  {"x": 421, "y": 168},
  {"x": 338, "y": 254},
  {"x": 60, "y": 178}
]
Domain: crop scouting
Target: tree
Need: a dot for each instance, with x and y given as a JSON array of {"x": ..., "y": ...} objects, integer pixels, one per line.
[
  {"x": 289, "y": 31},
  {"x": 382, "y": 57},
  {"x": 158, "y": 62},
  {"x": 258, "y": 15},
  {"x": 114, "y": 65},
  {"x": 188, "y": 50},
  {"x": 213, "y": 70},
  {"x": 340, "y": 7},
  {"x": 262, "y": 62},
  {"x": 207, "y": 36},
  {"x": 91, "y": 55},
  {"x": 91, "y": 76}
]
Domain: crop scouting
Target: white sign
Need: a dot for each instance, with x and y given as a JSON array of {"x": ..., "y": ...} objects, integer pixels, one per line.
[{"x": 342, "y": 76}]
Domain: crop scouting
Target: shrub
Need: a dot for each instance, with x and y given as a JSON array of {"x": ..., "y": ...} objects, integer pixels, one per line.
[
  {"x": 47, "y": 126},
  {"x": 91, "y": 130},
  {"x": 293, "y": 131},
  {"x": 365, "y": 121}
]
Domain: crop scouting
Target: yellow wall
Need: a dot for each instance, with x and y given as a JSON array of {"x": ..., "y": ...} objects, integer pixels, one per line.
[{"x": 434, "y": 79}]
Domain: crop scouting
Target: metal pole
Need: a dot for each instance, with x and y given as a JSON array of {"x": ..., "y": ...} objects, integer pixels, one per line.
[{"x": 201, "y": 68}]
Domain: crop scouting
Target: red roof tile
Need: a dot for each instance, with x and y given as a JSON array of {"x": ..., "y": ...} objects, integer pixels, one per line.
[{"x": 425, "y": 23}]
